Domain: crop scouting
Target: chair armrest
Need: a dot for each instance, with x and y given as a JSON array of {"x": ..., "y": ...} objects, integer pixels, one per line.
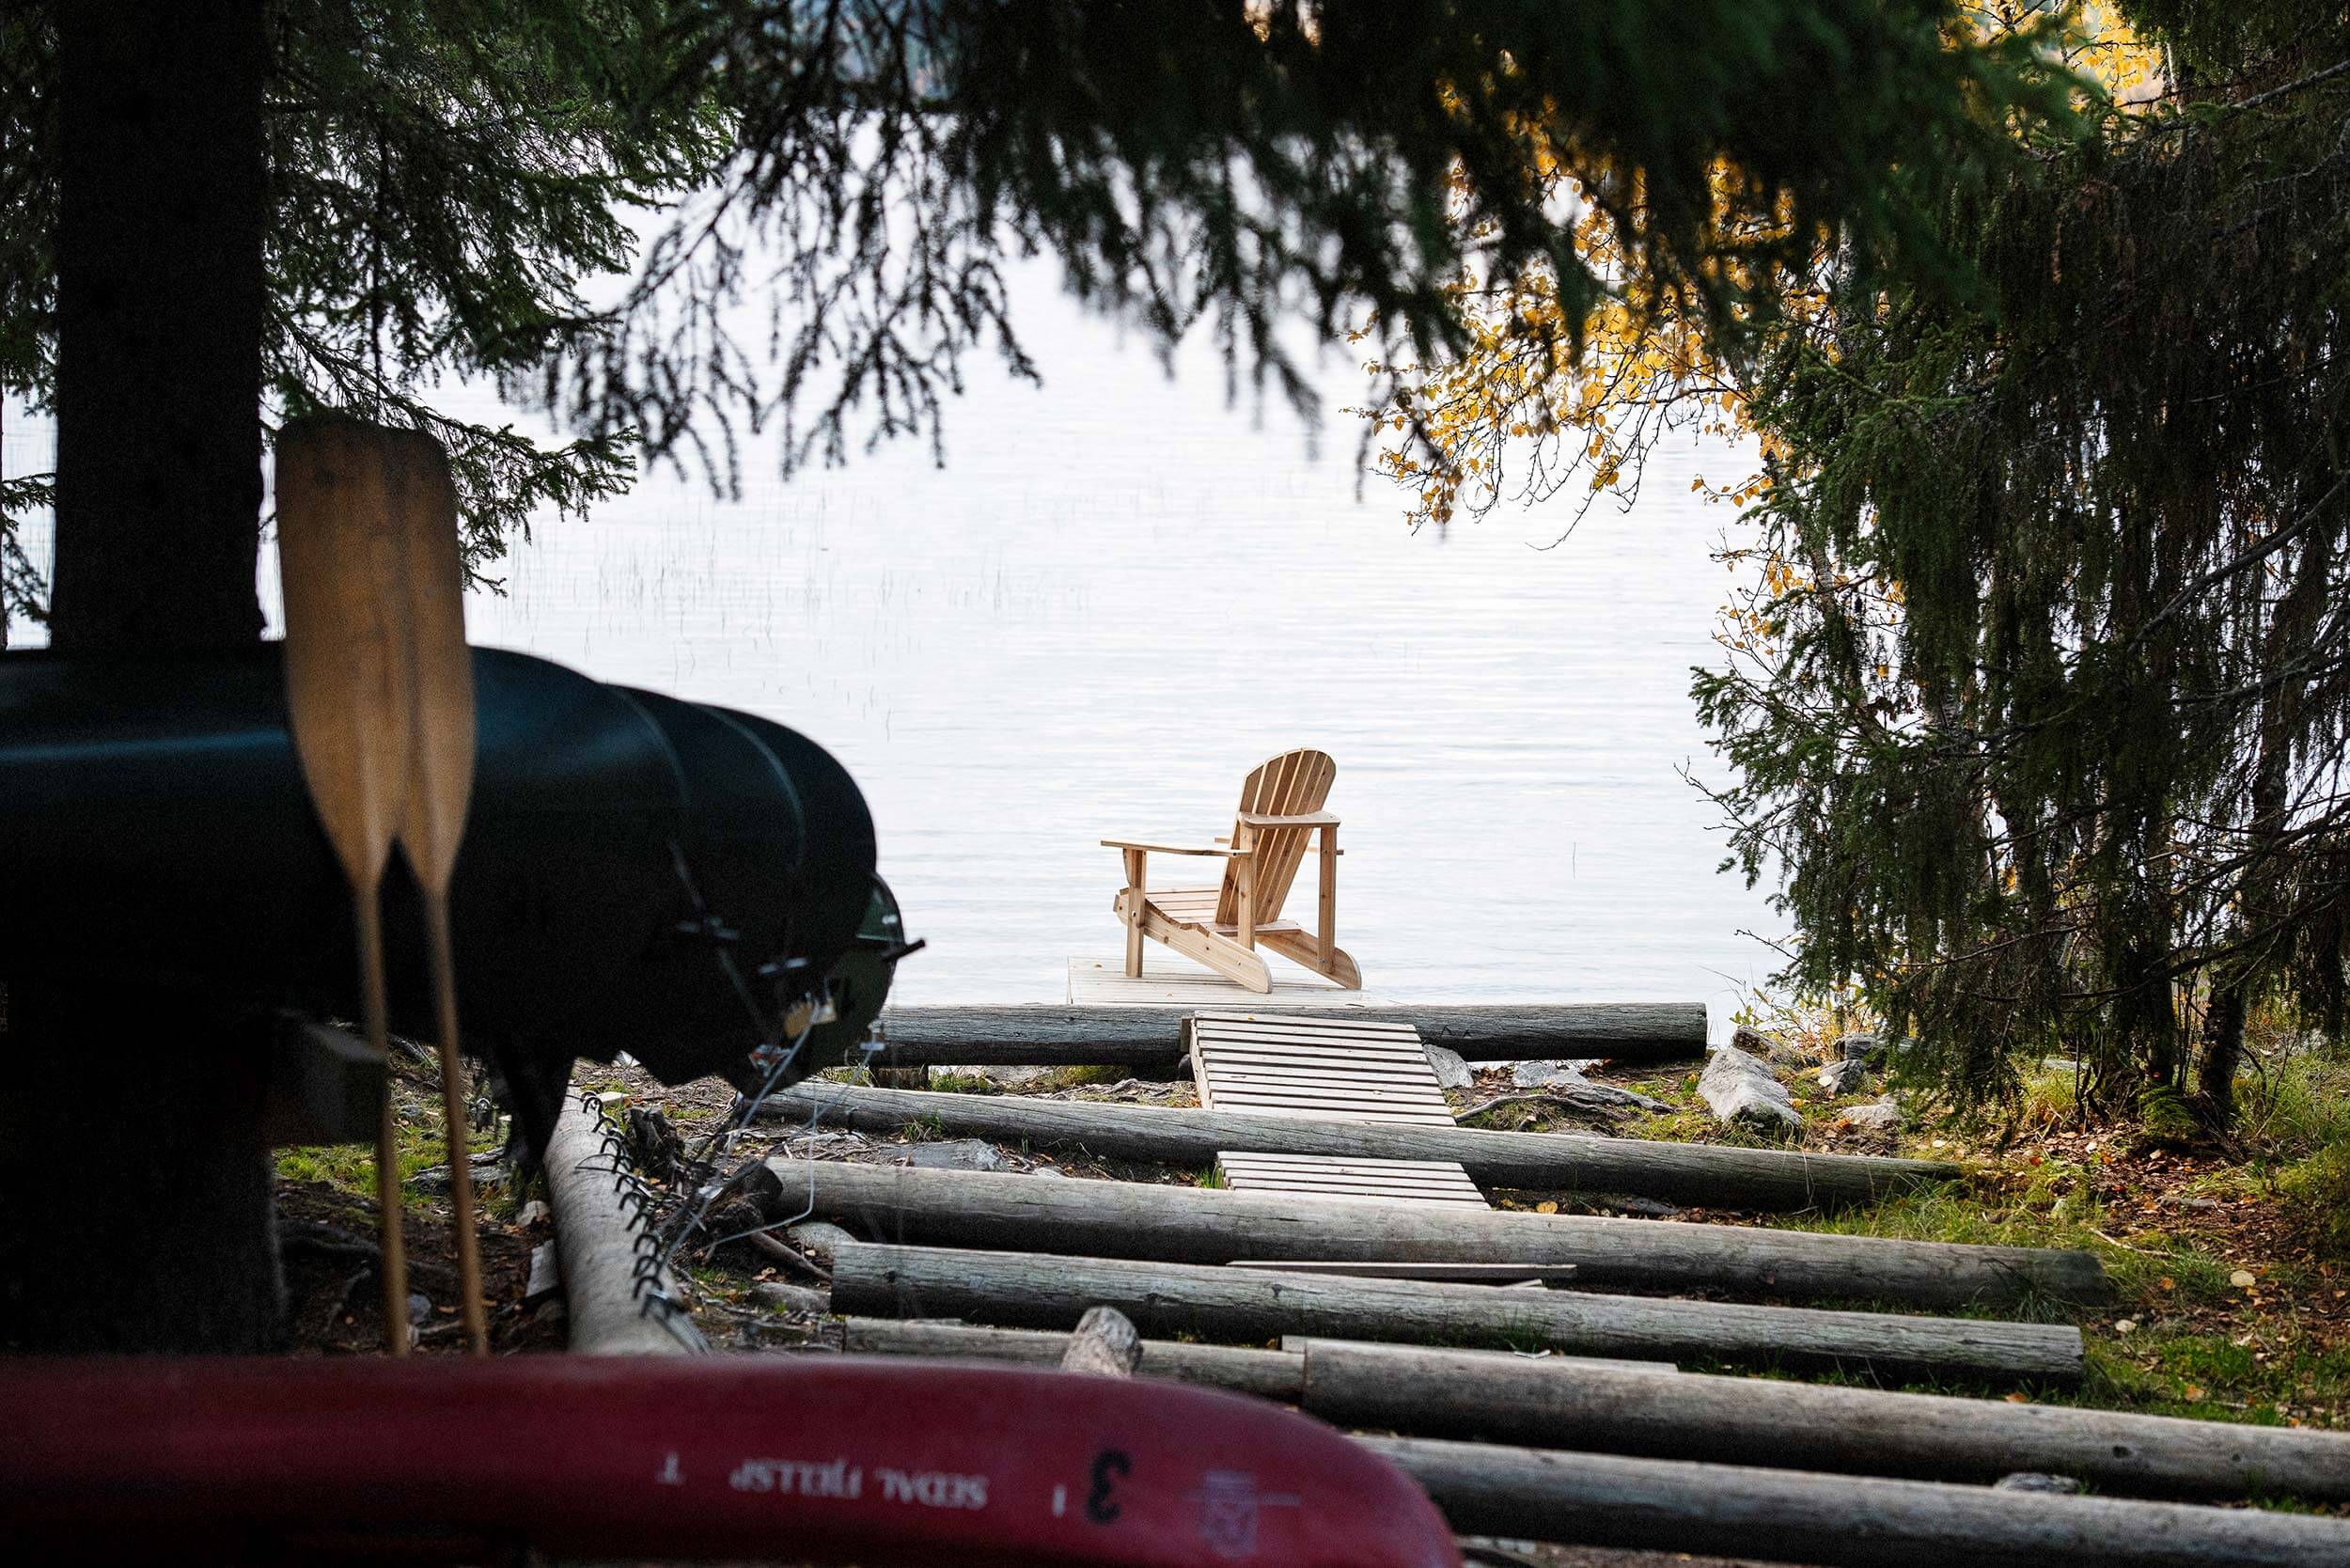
[
  {"x": 1310, "y": 819},
  {"x": 1158, "y": 849}
]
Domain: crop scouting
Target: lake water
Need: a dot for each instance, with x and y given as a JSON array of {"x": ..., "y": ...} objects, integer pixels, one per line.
[{"x": 1119, "y": 596}]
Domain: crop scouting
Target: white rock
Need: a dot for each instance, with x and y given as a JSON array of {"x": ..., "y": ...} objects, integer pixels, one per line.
[
  {"x": 962, "y": 1153},
  {"x": 1452, "y": 1072},
  {"x": 1547, "y": 1074},
  {"x": 547, "y": 1277},
  {"x": 1882, "y": 1116},
  {"x": 532, "y": 1213},
  {"x": 1738, "y": 1089}
]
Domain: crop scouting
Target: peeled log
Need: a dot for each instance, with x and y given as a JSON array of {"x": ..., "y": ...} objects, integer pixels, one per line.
[
  {"x": 1272, "y": 1374},
  {"x": 1711, "y": 1175},
  {"x": 1032, "y": 1036},
  {"x": 1249, "y": 1306},
  {"x": 1195, "y": 1225},
  {"x": 1738, "y": 1420},
  {"x": 1837, "y": 1521},
  {"x": 597, "y": 1236}
]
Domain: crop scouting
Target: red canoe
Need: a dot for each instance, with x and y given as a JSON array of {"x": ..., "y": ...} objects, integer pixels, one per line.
[{"x": 783, "y": 1459}]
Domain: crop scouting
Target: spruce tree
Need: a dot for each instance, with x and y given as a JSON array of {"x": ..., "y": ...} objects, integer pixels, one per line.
[{"x": 2041, "y": 711}]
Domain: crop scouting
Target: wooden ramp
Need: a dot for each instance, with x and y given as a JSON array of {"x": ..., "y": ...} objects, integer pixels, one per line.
[{"x": 1327, "y": 1068}]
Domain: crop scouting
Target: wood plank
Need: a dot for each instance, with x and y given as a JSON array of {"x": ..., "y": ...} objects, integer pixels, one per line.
[{"x": 1387, "y": 1025}]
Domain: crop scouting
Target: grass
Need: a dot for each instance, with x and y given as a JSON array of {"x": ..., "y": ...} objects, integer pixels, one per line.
[
  {"x": 2176, "y": 1222},
  {"x": 350, "y": 1168}
]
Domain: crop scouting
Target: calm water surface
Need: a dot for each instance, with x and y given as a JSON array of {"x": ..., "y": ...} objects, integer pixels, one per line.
[{"x": 1120, "y": 595}]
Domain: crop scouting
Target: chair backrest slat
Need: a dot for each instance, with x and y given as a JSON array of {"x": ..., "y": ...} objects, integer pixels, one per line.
[{"x": 1294, "y": 784}]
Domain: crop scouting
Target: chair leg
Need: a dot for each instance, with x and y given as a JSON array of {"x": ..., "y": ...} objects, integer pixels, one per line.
[
  {"x": 1327, "y": 937},
  {"x": 1135, "y": 901}
]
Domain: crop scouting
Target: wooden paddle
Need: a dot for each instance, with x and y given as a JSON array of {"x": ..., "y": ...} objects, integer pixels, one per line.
[
  {"x": 346, "y": 701},
  {"x": 431, "y": 631}
]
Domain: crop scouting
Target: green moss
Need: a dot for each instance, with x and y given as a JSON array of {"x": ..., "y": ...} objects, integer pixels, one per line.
[
  {"x": 2316, "y": 1190},
  {"x": 965, "y": 1083}
]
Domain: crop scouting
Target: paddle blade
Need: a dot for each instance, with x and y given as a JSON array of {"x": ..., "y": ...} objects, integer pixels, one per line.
[
  {"x": 432, "y": 603},
  {"x": 346, "y": 675}
]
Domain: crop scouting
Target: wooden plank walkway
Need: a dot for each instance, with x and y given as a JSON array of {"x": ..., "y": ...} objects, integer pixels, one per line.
[{"x": 1325, "y": 1068}]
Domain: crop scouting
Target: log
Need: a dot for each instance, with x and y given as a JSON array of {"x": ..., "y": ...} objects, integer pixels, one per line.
[
  {"x": 1034, "y": 1291},
  {"x": 598, "y": 1235},
  {"x": 1714, "y": 1175},
  {"x": 1104, "y": 1344},
  {"x": 1304, "y": 1345},
  {"x": 1603, "y": 1406},
  {"x": 1070, "y": 1036},
  {"x": 1195, "y": 1225},
  {"x": 1837, "y": 1521},
  {"x": 1267, "y": 1373},
  {"x": 1562, "y": 1404}
]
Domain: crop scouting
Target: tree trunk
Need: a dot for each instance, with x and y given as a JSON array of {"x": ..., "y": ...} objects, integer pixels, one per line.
[
  {"x": 1193, "y": 1225},
  {"x": 160, "y": 302},
  {"x": 137, "y": 1210},
  {"x": 1027, "y": 1290},
  {"x": 1712, "y": 1174},
  {"x": 1073, "y": 1036},
  {"x": 1837, "y": 1521},
  {"x": 137, "y": 1203}
]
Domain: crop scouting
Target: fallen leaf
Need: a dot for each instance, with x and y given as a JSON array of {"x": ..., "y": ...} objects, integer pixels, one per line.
[
  {"x": 2018, "y": 1399},
  {"x": 1547, "y": 1206},
  {"x": 2242, "y": 1279},
  {"x": 2194, "y": 1392},
  {"x": 2166, "y": 1283}
]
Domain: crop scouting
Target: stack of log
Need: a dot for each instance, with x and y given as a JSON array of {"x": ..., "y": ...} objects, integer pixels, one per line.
[{"x": 1549, "y": 1413}]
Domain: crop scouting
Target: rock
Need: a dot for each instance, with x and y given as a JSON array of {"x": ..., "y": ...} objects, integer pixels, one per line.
[
  {"x": 489, "y": 1170},
  {"x": 1105, "y": 1344},
  {"x": 1844, "y": 1076},
  {"x": 1048, "y": 1170},
  {"x": 1795, "y": 1059},
  {"x": 1860, "y": 1047},
  {"x": 962, "y": 1153},
  {"x": 533, "y": 1213},
  {"x": 1452, "y": 1072},
  {"x": 1639, "y": 1208},
  {"x": 546, "y": 1276},
  {"x": 794, "y": 1298},
  {"x": 1545, "y": 1074},
  {"x": 1738, "y": 1089},
  {"x": 1882, "y": 1116},
  {"x": 420, "y": 1307},
  {"x": 1753, "y": 1041},
  {"x": 2036, "y": 1481}
]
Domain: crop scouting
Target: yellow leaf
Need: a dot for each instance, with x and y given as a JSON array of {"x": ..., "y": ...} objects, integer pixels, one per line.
[{"x": 1547, "y": 1206}]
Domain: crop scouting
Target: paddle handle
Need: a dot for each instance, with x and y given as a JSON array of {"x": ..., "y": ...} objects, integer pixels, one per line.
[
  {"x": 453, "y": 1119},
  {"x": 368, "y": 918}
]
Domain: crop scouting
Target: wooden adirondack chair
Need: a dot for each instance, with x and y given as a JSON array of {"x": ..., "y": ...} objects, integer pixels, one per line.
[{"x": 1280, "y": 808}]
